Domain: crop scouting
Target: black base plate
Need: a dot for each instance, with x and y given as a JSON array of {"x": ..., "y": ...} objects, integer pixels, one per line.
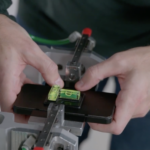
[{"x": 97, "y": 107}]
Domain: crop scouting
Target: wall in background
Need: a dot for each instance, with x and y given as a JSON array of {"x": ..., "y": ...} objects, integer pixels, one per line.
[{"x": 13, "y": 8}]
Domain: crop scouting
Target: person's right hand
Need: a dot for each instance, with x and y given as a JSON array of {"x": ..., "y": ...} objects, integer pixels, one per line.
[{"x": 16, "y": 51}]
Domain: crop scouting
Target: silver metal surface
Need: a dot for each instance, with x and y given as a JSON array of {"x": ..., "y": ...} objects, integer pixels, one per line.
[
  {"x": 65, "y": 130},
  {"x": 73, "y": 72},
  {"x": 19, "y": 136},
  {"x": 63, "y": 138},
  {"x": 13, "y": 134},
  {"x": 46, "y": 132},
  {"x": 73, "y": 67},
  {"x": 59, "y": 138},
  {"x": 73, "y": 127},
  {"x": 61, "y": 57},
  {"x": 80, "y": 47}
]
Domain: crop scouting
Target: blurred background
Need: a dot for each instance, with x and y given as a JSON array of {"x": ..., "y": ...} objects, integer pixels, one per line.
[{"x": 96, "y": 140}]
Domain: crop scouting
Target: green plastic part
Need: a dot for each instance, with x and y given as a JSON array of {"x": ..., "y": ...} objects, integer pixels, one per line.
[
  {"x": 54, "y": 93},
  {"x": 24, "y": 148},
  {"x": 69, "y": 94},
  {"x": 49, "y": 42}
]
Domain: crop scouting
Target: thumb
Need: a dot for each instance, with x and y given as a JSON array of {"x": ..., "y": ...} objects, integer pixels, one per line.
[
  {"x": 44, "y": 65},
  {"x": 94, "y": 74}
]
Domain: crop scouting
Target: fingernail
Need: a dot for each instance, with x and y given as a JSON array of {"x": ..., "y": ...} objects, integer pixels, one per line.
[
  {"x": 80, "y": 83},
  {"x": 59, "y": 82}
]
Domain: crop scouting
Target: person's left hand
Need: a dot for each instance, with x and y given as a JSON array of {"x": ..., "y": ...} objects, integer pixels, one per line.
[
  {"x": 17, "y": 50},
  {"x": 132, "y": 68}
]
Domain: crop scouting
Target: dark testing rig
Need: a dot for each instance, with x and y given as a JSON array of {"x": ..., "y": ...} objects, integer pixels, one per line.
[{"x": 57, "y": 115}]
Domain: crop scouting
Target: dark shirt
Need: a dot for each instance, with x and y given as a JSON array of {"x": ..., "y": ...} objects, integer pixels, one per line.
[
  {"x": 4, "y": 5},
  {"x": 117, "y": 24}
]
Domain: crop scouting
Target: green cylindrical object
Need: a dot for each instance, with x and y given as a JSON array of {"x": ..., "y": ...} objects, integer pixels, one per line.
[{"x": 49, "y": 42}]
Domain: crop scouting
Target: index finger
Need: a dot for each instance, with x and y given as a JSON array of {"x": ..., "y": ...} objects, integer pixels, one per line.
[
  {"x": 94, "y": 74},
  {"x": 44, "y": 64}
]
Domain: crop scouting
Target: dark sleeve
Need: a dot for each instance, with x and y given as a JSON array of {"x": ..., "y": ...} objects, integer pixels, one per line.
[{"x": 4, "y": 5}]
